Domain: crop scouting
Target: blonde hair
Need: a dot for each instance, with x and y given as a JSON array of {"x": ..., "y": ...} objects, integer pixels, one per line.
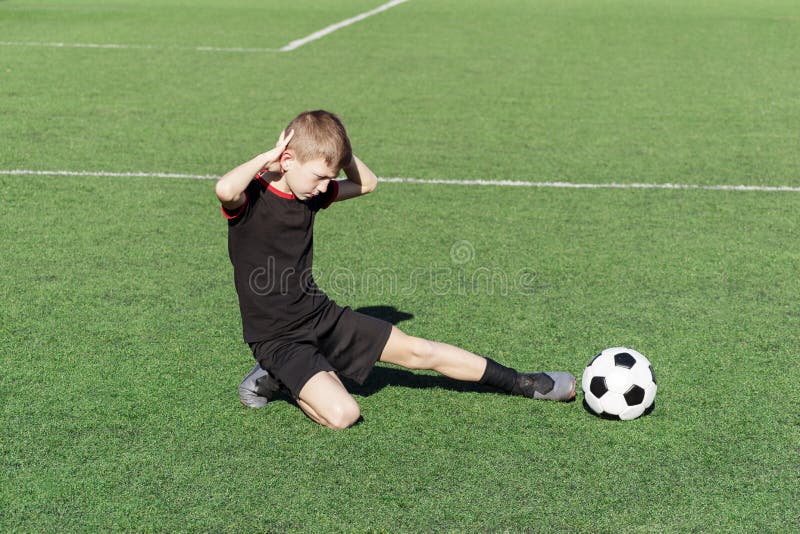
[{"x": 320, "y": 134}]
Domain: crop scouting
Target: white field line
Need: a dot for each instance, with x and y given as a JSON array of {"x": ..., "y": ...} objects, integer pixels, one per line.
[
  {"x": 288, "y": 48},
  {"x": 333, "y": 27},
  {"x": 494, "y": 183},
  {"x": 136, "y": 47},
  {"x": 74, "y": 45},
  {"x": 104, "y": 174}
]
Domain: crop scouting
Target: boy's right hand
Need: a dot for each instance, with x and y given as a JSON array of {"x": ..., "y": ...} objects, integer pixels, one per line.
[
  {"x": 230, "y": 188},
  {"x": 273, "y": 157}
]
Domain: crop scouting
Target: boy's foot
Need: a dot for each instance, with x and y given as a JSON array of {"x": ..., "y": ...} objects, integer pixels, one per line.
[
  {"x": 557, "y": 386},
  {"x": 257, "y": 388}
]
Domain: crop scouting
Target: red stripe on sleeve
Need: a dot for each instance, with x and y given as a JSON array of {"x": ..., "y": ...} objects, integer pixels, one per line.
[{"x": 233, "y": 215}]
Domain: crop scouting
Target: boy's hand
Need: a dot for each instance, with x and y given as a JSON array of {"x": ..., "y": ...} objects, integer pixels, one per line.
[
  {"x": 230, "y": 188},
  {"x": 273, "y": 157}
]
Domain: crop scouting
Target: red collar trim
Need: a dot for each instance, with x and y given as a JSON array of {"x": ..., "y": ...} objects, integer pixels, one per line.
[{"x": 275, "y": 191}]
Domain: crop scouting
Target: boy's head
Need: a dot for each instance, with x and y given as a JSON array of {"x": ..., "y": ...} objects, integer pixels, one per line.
[{"x": 318, "y": 150}]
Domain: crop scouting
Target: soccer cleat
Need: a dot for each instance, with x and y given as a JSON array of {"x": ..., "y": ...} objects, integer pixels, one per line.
[
  {"x": 557, "y": 386},
  {"x": 257, "y": 388}
]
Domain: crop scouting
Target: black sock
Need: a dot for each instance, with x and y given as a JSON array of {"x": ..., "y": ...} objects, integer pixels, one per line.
[{"x": 499, "y": 376}]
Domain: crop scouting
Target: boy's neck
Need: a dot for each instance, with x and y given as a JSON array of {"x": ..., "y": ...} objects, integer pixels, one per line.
[{"x": 276, "y": 180}]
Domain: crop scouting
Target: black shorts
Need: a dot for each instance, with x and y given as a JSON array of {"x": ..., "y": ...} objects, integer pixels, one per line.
[{"x": 336, "y": 339}]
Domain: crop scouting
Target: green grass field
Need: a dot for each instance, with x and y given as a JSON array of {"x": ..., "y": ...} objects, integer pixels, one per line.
[{"x": 120, "y": 340}]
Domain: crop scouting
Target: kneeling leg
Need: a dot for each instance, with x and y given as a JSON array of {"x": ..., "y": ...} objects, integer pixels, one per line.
[{"x": 325, "y": 400}]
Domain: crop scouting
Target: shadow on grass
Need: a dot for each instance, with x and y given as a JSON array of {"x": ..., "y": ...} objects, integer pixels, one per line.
[
  {"x": 610, "y": 417},
  {"x": 380, "y": 377},
  {"x": 387, "y": 313}
]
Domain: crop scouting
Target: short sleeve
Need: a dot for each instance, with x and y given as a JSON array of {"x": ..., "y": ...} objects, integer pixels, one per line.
[
  {"x": 234, "y": 214},
  {"x": 241, "y": 213},
  {"x": 328, "y": 197}
]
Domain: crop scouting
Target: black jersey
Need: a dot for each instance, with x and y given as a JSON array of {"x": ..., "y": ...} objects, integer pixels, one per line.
[{"x": 271, "y": 247}]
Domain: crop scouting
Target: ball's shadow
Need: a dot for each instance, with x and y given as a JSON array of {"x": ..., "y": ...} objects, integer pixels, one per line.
[{"x": 609, "y": 417}]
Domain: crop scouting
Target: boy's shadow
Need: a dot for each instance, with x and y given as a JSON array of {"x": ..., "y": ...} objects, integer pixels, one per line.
[
  {"x": 381, "y": 376},
  {"x": 387, "y": 313}
]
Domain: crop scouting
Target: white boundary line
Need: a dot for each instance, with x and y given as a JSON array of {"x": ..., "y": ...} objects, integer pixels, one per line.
[
  {"x": 104, "y": 174},
  {"x": 288, "y": 48},
  {"x": 333, "y": 27},
  {"x": 495, "y": 183},
  {"x": 136, "y": 47},
  {"x": 572, "y": 185}
]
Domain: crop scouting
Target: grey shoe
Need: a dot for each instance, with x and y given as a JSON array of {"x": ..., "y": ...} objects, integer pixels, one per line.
[
  {"x": 557, "y": 386},
  {"x": 257, "y": 388}
]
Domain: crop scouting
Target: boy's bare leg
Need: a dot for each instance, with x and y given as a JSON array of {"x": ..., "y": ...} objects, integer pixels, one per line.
[
  {"x": 417, "y": 353},
  {"x": 325, "y": 400}
]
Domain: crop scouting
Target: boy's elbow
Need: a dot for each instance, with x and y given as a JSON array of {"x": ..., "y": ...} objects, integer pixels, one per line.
[
  {"x": 370, "y": 187},
  {"x": 224, "y": 194}
]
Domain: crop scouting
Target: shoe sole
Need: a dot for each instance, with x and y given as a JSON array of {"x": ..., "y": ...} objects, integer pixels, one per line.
[
  {"x": 247, "y": 389},
  {"x": 256, "y": 405}
]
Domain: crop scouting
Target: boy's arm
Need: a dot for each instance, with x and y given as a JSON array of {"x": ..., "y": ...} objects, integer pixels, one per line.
[
  {"x": 360, "y": 180},
  {"x": 230, "y": 188}
]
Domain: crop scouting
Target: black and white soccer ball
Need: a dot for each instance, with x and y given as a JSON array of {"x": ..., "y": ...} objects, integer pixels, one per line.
[{"x": 619, "y": 383}]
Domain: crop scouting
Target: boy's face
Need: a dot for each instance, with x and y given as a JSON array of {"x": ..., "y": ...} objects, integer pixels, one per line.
[{"x": 309, "y": 179}]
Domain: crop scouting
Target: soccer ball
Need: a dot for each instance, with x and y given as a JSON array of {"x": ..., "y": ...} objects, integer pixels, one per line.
[{"x": 619, "y": 384}]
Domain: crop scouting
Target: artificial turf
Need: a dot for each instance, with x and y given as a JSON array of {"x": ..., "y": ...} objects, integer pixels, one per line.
[{"x": 121, "y": 344}]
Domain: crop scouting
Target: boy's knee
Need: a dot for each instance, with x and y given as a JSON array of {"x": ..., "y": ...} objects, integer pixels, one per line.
[
  {"x": 343, "y": 415},
  {"x": 422, "y": 353}
]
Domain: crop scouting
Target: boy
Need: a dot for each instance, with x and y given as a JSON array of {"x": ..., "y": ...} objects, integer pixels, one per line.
[{"x": 302, "y": 340}]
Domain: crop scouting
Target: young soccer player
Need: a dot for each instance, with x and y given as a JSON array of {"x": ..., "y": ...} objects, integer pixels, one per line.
[{"x": 302, "y": 340}]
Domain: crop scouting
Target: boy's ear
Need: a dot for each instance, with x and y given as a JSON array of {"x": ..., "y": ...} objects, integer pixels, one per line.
[{"x": 287, "y": 160}]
